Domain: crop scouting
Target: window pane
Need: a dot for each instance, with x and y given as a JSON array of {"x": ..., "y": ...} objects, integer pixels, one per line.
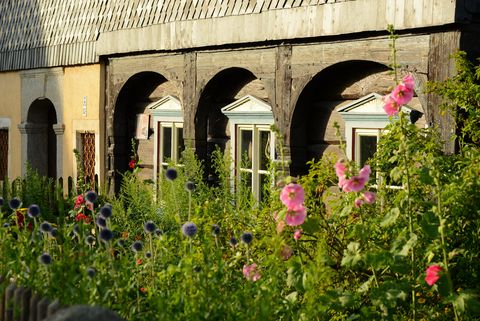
[
  {"x": 246, "y": 142},
  {"x": 3, "y": 153},
  {"x": 166, "y": 143},
  {"x": 368, "y": 147},
  {"x": 264, "y": 187},
  {"x": 180, "y": 143},
  {"x": 264, "y": 149},
  {"x": 246, "y": 181}
]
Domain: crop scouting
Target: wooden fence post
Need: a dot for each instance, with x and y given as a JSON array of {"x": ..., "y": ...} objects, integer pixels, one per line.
[
  {"x": 34, "y": 301},
  {"x": 9, "y": 303},
  {"x": 42, "y": 309}
]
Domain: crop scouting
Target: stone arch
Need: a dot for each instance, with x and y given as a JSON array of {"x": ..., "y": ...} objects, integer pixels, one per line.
[
  {"x": 41, "y": 131},
  {"x": 211, "y": 124},
  {"x": 311, "y": 130},
  {"x": 134, "y": 96}
]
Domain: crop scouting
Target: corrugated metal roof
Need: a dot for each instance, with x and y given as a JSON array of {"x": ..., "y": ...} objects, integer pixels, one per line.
[{"x": 45, "y": 33}]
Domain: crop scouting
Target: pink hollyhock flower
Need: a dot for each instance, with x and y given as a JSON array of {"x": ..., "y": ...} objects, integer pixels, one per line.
[
  {"x": 292, "y": 195},
  {"x": 79, "y": 202},
  {"x": 402, "y": 94},
  {"x": 340, "y": 169},
  {"x": 365, "y": 172},
  {"x": 369, "y": 197},
  {"x": 433, "y": 274},
  {"x": 286, "y": 252},
  {"x": 390, "y": 106},
  {"x": 358, "y": 202},
  {"x": 297, "y": 234},
  {"x": 342, "y": 181},
  {"x": 250, "y": 272},
  {"x": 296, "y": 216},
  {"x": 355, "y": 184},
  {"x": 409, "y": 81}
]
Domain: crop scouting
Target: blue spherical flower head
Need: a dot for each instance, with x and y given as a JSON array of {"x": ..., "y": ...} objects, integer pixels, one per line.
[
  {"x": 189, "y": 229},
  {"x": 215, "y": 229},
  {"x": 106, "y": 211},
  {"x": 190, "y": 186},
  {"x": 233, "y": 241},
  {"x": 171, "y": 173},
  {"x": 137, "y": 246},
  {"x": 45, "y": 258},
  {"x": 91, "y": 272},
  {"x": 76, "y": 229},
  {"x": 90, "y": 239},
  {"x": 106, "y": 235},
  {"x": 121, "y": 242},
  {"x": 45, "y": 227},
  {"x": 6, "y": 225},
  {"x": 14, "y": 203},
  {"x": 53, "y": 233},
  {"x": 148, "y": 255},
  {"x": 33, "y": 211},
  {"x": 149, "y": 227},
  {"x": 101, "y": 222},
  {"x": 91, "y": 196},
  {"x": 158, "y": 232},
  {"x": 247, "y": 237},
  {"x": 2, "y": 201}
]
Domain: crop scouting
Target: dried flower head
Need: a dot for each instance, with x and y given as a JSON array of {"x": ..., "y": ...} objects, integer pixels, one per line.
[
  {"x": 137, "y": 246},
  {"x": 91, "y": 196},
  {"x": 45, "y": 227},
  {"x": 91, "y": 272},
  {"x": 14, "y": 203},
  {"x": 215, "y": 230},
  {"x": 190, "y": 186},
  {"x": 171, "y": 173},
  {"x": 106, "y": 235},
  {"x": 149, "y": 227},
  {"x": 45, "y": 258},
  {"x": 90, "y": 239},
  {"x": 189, "y": 229},
  {"x": 247, "y": 237},
  {"x": 33, "y": 210}
]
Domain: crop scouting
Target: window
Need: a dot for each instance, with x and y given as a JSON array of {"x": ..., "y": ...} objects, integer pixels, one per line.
[
  {"x": 170, "y": 136},
  {"x": 87, "y": 154},
  {"x": 252, "y": 142},
  {"x": 254, "y": 151},
  {"x": 365, "y": 144},
  {"x": 3, "y": 153}
]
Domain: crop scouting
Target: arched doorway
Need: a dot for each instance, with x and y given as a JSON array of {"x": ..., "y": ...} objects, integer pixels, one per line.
[
  {"x": 210, "y": 123},
  {"x": 42, "y": 140},
  {"x": 136, "y": 94},
  {"x": 312, "y": 129}
]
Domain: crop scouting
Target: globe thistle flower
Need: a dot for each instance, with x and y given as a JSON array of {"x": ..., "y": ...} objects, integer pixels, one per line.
[
  {"x": 106, "y": 235},
  {"x": 101, "y": 222},
  {"x": 149, "y": 227},
  {"x": 91, "y": 196},
  {"x": 91, "y": 272},
  {"x": 233, "y": 241},
  {"x": 76, "y": 229},
  {"x": 45, "y": 227},
  {"x": 33, "y": 211},
  {"x": 121, "y": 242},
  {"x": 2, "y": 201},
  {"x": 106, "y": 211},
  {"x": 215, "y": 230},
  {"x": 158, "y": 232},
  {"x": 90, "y": 239},
  {"x": 53, "y": 233},
  {"x": 137, "y": 246},
  {"x": 190, "y": 186},
  {"x": 45, "y": 258},
  {"x": 189, "y": 229},
  {"x": 171, "y": 173},
  {"x": 6, "y": 225},
  {"x": 14, "y": 203},
  {"x": 247, "y": 237},
  {"x": 148, "y": 255}
]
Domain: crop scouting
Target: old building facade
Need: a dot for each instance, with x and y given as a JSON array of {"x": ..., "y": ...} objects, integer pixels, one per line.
[{"x": 93, "y": 75}]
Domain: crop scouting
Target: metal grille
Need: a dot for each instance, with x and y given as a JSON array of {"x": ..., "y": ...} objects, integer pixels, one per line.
[
  {"x": 88, "y": 149},
  {"x": 3, "y": 153}
]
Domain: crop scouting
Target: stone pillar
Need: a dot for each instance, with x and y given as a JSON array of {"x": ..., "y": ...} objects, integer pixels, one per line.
[{"x": 59, "y": 129}]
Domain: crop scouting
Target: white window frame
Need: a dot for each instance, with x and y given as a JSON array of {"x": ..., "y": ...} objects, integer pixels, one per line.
[
  {"x": 174, "y": 143},
  {"x": 254, "y": 169},
  {"x": 359, "y": 132},
  {"x": 252, "y": 113},
  {"x": 5, "y": 124}
]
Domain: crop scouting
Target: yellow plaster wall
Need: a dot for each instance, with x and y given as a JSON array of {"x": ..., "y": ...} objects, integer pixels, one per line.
[
  {"x": 82, "y": 82},
  {"x": 10, "y": 107}
]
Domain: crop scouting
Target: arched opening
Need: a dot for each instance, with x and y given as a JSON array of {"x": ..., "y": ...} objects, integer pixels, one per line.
[
  {"x": 136, "y": 94},
  {"x": 312, "y": 129},
  {"x": 42, "y": 140},
  {"x": 210, "y": 123}
]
